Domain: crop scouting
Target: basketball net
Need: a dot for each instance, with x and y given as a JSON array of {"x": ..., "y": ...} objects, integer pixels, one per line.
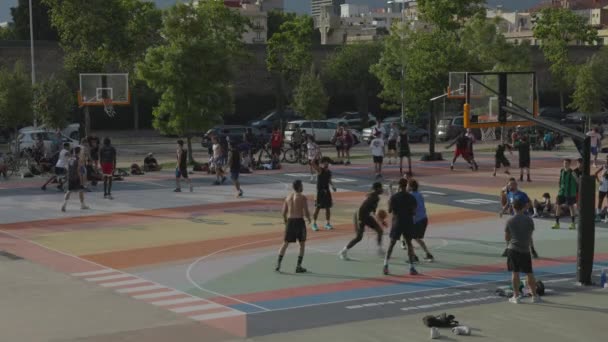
[
  {"x": 488, "y": 134},
  {"x": 108, "y": 107}
]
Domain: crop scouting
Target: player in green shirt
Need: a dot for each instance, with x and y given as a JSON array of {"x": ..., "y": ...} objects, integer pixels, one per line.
[{"x": 568, "y": 187}]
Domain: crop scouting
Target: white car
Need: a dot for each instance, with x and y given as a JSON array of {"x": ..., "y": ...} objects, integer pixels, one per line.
[
  {"x": 72, "y": 130},
  {"x": 28, "y": 139},
  {"x": 322, "y": 130}
]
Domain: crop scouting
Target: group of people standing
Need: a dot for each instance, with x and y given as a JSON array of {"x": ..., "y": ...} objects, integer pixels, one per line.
[
  {"x": 396, "y": 141},
  {"x": 76, "y": 165}
]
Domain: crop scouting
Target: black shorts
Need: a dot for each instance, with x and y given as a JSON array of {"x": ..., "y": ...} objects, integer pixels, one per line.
[
  {"x": 59, "y": 171},
  {"x": 524, "y": 163},
  {"x": 234, "y": 175},
  {"x": 367, "y": 221},
  {"x": 340, "y": 147},
  {"x": 323, "y": 199},
  {"x": 392, "y": 145},
  {"x": 295, "y": 230},
  {"x": 407, "y": 231},
  {"x": 378, "y": 159},
  {"x": 568, "y": 200},
  {"x": 404, "y": 151},
  {"x": 276, "y": 151},
  {"x": 74, "y": 185},
  {"x": 499, "y": 162},
  {"x": 181, "y": 172},
  {"x": 421, "y": 228},
  {"x": 519, "y": 262}
]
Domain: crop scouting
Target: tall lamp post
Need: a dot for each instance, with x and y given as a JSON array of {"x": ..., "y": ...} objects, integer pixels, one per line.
[{"x": 32, "y": 54}]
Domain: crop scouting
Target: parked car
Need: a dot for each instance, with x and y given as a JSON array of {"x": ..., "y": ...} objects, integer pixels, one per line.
[
  {"x": 233, "y": 132},
  {"x": 415, "y": 134},
  {"x": 449, "y": 128},
  {"x": 354, "y": 119},
  {"x": 274, "y": 119},
  {"x": 554, "y": 114},
  {"x": 71, "y": 130},
  {"x": 27, "y": 140},
  {"x": 322, "y": 130}
]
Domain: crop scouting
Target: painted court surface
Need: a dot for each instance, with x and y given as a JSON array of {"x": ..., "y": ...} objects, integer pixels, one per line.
[{"x": 209, "y": 257}]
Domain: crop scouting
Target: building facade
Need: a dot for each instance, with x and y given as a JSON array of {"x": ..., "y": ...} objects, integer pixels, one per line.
[{"x": 317, "y": 7}]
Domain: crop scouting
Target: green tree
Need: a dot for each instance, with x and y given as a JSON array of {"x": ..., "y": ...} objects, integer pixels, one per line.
[
  {"x": 193, "y": 66},
  {"x": 488, "y": 50},
  {"x": 40, "y": 15},
  {"x": 450, "y": 15},
  {"x": 53, "y": 102},
  {"x": 558, "y": 28},
  {"x": 350, "y": 67},
  {"x": 309, "y": 96},
  {"x": 289, "y": 53},
  {"x": 276, "y": 19},
  {"x": 15, "y": 97},
  {"x": 105, "y": 36},
  {"x": 588, "y": 94},
  {"x": 7, "y": 33}
]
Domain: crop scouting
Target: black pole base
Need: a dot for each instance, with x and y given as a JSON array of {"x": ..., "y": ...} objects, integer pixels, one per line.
[{"x": 431, "y": 157}]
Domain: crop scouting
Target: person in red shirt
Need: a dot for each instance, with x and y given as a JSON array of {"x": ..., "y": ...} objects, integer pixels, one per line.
[{"x": 276, "y": 142}]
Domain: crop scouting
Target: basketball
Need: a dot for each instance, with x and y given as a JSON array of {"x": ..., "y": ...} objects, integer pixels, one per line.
[{"x": 382, "y": 215}]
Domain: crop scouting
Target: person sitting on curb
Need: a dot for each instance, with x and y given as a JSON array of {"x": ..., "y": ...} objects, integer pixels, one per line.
[{"x": 151, "y": 164}]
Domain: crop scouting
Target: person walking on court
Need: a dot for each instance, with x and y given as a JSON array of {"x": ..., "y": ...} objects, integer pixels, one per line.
[
  {"x": 601, "y": 176},
  {"x": 74, "y": 180},
  {"x": 323, "y": 199},
  {"x": 518, "y": 234},
  {"x": 295, "y": 209},
  {"x": 181, "y": 169},
  {"x": 404, "y": 150},
  {"x": 313, "y": 153},
  {"x": 234, "y": 161},
  {"x": 596, "y": 140},
  {"x": 403, "y": 207},
  {"x": 393, "y": 136},
  {"x": 462, "y": 149},
  {"x": 421, "y": 221},
  {"x": 515, "y": 194},
  {"x": 523, "y": 148},
  {"x": 500, "y": 160},
  {"x": 364, "y": 217},
  {"x": 377, "y": 147},
  {"x": 107, "y": 160},
  {"x": 60, "y": 167},
  {"x": 219, "y": 159},
  {"x": 567, "y": 193}
]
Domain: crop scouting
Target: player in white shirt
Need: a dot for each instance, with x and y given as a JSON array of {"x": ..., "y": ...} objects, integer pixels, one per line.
[
  {"x": 596, "y": 139},
  {"x": 60, "y": 168},
  {"x": 377, "y": 147},
  {"x": 314, "y": 156}
]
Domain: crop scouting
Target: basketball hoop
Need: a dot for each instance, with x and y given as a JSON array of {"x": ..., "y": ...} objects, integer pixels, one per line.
[{"x": 108, "y": 107}]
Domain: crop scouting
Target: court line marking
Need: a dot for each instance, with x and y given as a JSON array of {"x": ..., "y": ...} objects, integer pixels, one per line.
[
  {"x": 393, "y": 294},
  {"x": 193, "y": 308},
  {"x": 141, "y": 288},
  {"x": 108, "y": 268}
]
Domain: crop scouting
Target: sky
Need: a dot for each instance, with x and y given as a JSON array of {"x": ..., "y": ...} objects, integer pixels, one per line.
[{"x": 300, "y": 6}]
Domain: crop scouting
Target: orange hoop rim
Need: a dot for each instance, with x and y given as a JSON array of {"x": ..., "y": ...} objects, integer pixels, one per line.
[{"x": 101, "y": 103}]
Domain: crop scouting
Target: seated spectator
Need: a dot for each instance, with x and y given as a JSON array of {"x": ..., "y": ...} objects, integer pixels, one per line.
[
  {"x": 544, "y": 207},
  {"x": 136, "y": 170},
  {"x": 150, "y": 163}
]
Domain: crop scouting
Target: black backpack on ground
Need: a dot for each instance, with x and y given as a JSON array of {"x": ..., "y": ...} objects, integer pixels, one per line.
[{"x": 442, "y": 321}]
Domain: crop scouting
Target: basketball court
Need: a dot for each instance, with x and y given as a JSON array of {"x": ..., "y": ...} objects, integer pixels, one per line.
[{"x": 209, "y": 257}]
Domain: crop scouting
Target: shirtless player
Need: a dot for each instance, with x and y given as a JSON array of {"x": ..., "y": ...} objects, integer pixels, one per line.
[{"x": 295, "y": 208}]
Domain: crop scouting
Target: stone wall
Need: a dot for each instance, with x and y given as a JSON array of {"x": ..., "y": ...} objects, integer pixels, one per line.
[{"x": 253, "y": 85}]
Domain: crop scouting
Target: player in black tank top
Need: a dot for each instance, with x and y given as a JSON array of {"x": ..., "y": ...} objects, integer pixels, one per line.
[
  {"x": 364, "y": 217},
  {"x": 323, "y": 199}
]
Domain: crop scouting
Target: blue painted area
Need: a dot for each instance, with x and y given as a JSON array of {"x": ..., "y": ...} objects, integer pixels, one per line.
[{"x": 403, "y": 288}]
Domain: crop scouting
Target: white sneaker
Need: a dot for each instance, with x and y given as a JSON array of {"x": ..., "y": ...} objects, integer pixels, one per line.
[
  {"x": 536, "y": 299},
  {"x": 514, "y": 300},
  {"x": 84, "y": 207},
  {"x": 343, "y": 255},
  {"x": 535, "y": 215}
]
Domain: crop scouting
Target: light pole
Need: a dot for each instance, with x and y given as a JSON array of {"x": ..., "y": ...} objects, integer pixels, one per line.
[
  {"x": 32, "y": 53},
  {"x": 402, "y": 69}
]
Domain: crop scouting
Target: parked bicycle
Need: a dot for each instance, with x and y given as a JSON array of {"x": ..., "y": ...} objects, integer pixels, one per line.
[{"x": 296, "y": 154}]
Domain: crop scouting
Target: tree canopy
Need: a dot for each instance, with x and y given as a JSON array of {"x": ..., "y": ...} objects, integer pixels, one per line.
[
  {"x": 557, "y": 28},
  {"x": 309, "y": 96},
  {"x": 53, "y": 102},
  {"x": 449, "y": 15},
  {"x": 40, "y": 15},
  {"x": 15, "y": 97},
  {"x": 192, "y": 68}
]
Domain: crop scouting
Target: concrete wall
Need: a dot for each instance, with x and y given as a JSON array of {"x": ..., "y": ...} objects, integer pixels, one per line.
[{"x": 253, "y": 84}]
